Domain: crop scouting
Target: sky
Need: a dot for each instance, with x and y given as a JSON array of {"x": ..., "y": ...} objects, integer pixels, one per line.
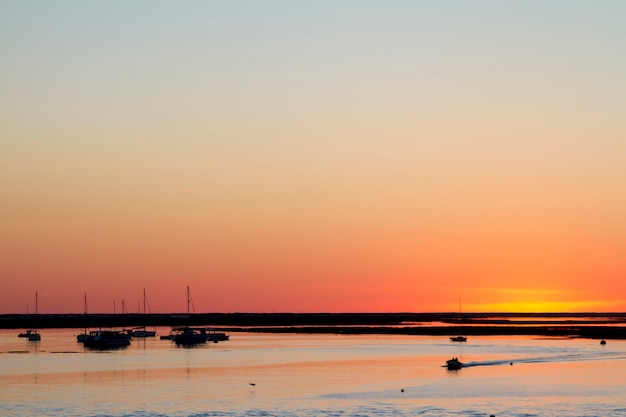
[{"x": 328, "y": 156}]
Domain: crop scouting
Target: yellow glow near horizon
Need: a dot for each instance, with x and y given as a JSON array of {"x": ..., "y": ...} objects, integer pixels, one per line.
[{"x": 544, "y": 306}]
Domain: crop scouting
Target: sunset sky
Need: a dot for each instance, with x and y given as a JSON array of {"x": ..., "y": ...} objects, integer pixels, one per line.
[{"x": 292, "y": 156}]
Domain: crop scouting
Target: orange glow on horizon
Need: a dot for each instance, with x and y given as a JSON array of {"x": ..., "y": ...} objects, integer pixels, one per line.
[{"x": 386, "y": 166}]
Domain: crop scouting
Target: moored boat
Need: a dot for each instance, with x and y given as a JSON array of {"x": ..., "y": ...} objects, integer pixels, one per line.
[
  {"x": 140, "y": 332},
  {"x": 170, "y": 336},
  {"x": 31, "y": 334},
  {"x": 217, "y": 336},
  {"x": 80, "y": 338},
  {"x": 27, "y": 333},
  {"x": 34, "y": 337},
  {"x": 188, "y": 336},
  {"x": 106, "y": 339}
]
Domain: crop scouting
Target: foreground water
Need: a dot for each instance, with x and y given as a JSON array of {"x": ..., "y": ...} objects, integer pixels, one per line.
[{"x": 312, "y": 375}]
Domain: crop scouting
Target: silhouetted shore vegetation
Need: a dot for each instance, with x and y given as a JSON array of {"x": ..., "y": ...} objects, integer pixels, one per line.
[{"x": 586, "y": 325}]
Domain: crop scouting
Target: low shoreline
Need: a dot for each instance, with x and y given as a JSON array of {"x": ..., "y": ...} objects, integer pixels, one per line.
[{"x": 584, "y": 325}]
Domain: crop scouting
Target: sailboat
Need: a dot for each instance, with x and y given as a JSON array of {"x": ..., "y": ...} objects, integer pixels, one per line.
[
  {"x": 459, "y": 338},
  {"x": 32, "y": 334},
  {"x": 85, "y": 334},
  {"x": 141, "y": 330},
  {"x": 189, "y": 336}
]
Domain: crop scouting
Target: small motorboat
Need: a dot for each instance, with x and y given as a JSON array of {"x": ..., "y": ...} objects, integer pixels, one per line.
[
  {"x": 453, "y": 364},
  {"x": 458, "y": 339}
]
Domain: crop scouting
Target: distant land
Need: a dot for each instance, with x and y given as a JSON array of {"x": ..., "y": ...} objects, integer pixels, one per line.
[{"x": 584, "y": 325}]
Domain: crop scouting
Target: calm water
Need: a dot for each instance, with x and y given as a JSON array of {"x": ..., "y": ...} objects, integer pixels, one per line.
[{"x": 317, "y": 375}]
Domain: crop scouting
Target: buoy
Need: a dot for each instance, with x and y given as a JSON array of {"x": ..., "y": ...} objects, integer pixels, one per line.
[
  {"x": 402, "y": 390},
  {"x": 603, "y": 342}
]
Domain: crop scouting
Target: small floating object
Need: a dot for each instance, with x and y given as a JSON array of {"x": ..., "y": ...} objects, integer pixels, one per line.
[
  {"x": 253, "y": 384},
  {"x": 458, "y": 339},
  {"x": 603, "y": 342}
]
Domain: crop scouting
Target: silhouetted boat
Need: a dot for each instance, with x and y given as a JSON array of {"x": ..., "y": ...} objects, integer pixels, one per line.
[
  {"x": 458, "y": 339},
  {"x": 188, "y": 336},
  {"x": 169, "y": 336},
  {"x": 31, "y": 334},
  {"x": 34, "y": 337},
  {"x": 106, "y": 339},
  {"x": 217, "y": 336},
  {"x": 85, "y": 334},
  {"x": 140, "y": 332},
  {"x": 453, "y": 364}
]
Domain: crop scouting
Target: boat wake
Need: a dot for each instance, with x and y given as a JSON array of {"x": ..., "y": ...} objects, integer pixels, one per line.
[{"x": 569, "y": 357}]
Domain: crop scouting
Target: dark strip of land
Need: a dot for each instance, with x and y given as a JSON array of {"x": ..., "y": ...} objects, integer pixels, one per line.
[{"x": 588, "y": 325}]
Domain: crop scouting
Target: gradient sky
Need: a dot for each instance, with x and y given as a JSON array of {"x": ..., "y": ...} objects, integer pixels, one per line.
[{"x": 285, "y": 156}]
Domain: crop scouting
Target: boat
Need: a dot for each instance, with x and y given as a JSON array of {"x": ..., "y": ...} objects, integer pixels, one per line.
[
  {"x": 141, "y": 330},
  {"x": 31, "y": 334},
  {"x": 34, "y": 336},
  {"x": 106, "y": 339},
  {"x": 217, "y": 336},
  {"x": 85, "y": 334},
  {"x": 169, "y": 336},
  {"x": 459, "y": 338},
  {"x": 453, "y": 364},
  {"x": 188, "y": 336}
]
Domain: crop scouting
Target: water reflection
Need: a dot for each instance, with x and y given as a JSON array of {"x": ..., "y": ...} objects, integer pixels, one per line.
[{"x": 307, "y": 375}]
